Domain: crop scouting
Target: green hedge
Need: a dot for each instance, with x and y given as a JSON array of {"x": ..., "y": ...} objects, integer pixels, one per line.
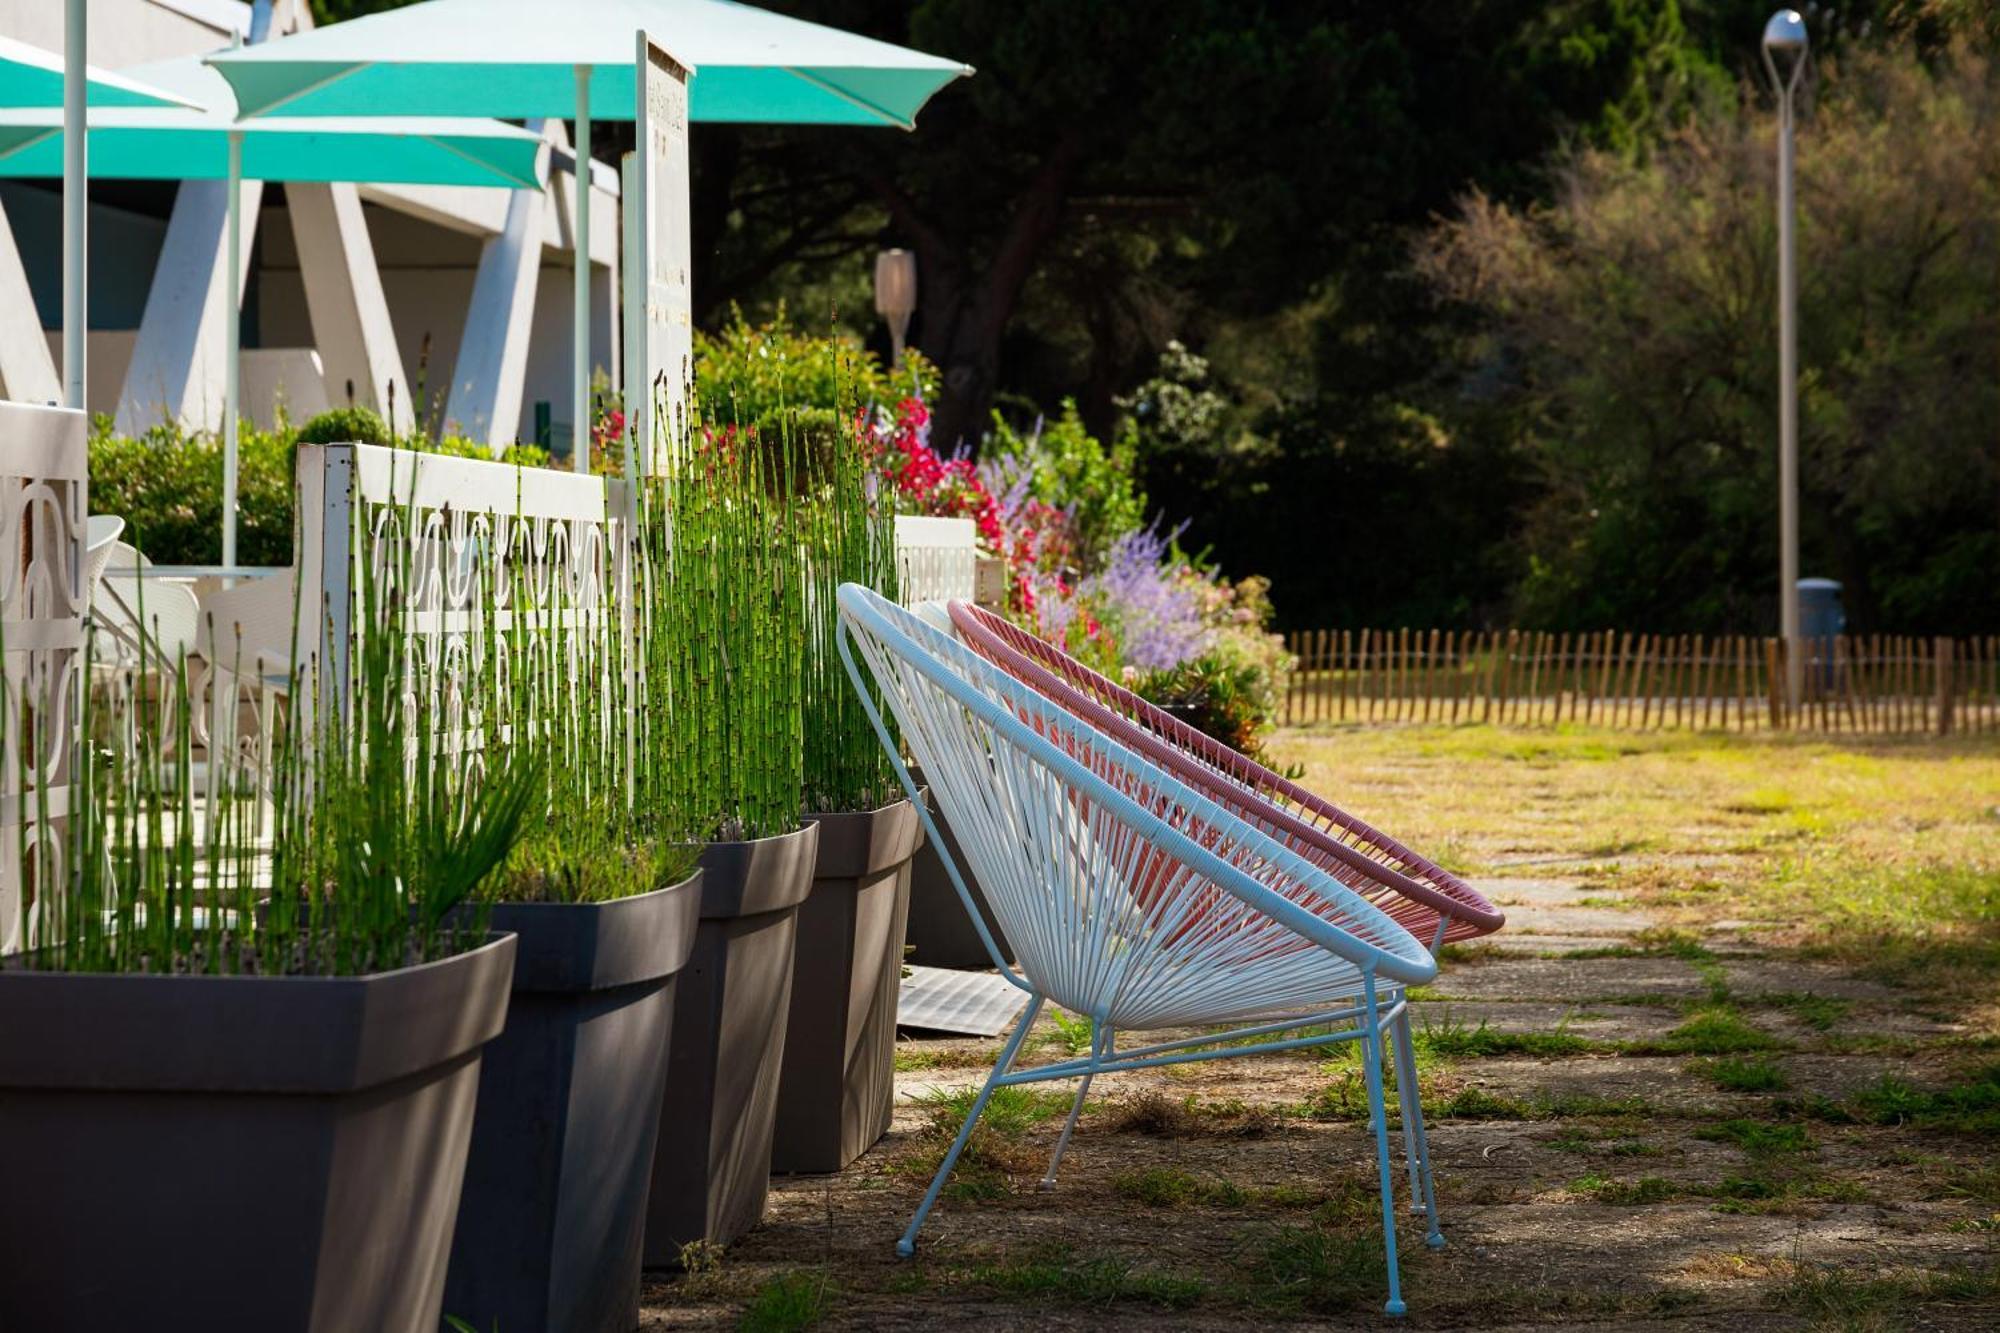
[{"x": 167, "y": 483}]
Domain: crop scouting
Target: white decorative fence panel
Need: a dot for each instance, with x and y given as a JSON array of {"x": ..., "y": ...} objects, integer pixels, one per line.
[
  {"x": 492, "y": 570},
  {"x": 44, "y": 484},
  {"x": 936, "y": 559}
]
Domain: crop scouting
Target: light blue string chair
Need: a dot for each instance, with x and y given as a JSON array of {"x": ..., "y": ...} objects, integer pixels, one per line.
[{"x": 1129, "y": 897}]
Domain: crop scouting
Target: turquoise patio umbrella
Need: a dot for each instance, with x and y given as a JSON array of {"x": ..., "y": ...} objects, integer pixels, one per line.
[
  {"x": 183, "y": 143},
  {"x": 541, "y": 58},
  {"x": 32, "y": 77}
]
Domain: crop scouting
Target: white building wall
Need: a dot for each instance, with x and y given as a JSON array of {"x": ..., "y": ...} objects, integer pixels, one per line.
[{"x": 427, "y": 242}]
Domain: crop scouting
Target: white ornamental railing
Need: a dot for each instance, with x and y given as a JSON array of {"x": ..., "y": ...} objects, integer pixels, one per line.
[
  {"x": 44, "y": 483},
  {"x": 937, "y": 559},
  {"x": 490, "y": 568}
]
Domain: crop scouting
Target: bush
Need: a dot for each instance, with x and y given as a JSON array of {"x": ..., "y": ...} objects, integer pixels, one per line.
[
  {"x": 1063, "y": 464},
  {"x": 1629, "y": 326},
  {"x": 346, "y": 425},
  {"x": 167, "y": 483},
  {"x": 749, "y": 375},
  {"x": 1220, "y": 699}
]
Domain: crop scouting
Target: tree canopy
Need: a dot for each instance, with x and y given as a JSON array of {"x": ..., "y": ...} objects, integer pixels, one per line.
[{"x": 1268, "y": 238}]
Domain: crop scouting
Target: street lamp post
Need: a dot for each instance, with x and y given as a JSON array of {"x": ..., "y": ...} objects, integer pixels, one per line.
[
  {"x": 1785, "y": 47},
  {"x": 896, "y": 296}
]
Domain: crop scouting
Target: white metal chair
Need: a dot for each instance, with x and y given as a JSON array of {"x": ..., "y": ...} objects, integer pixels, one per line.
[
  {"x": 100, "y": 542},
  {"x": 245, "y": 639},
  {"x": 1128, "y": 896}
]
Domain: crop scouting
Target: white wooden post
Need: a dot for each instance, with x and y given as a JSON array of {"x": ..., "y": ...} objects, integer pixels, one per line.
[
  {"x": 27, "y": 371},
  {"x": 663, "y": 324},
  {"x": 177, "y": 361},
  {"x": 350, "y": 314}
]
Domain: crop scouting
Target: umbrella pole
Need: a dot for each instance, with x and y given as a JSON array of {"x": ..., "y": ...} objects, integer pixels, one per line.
[
  {"x": 580, "y": 341},
  {"x": 76, "y": 201},
  {"x": 232, "y": 322}
]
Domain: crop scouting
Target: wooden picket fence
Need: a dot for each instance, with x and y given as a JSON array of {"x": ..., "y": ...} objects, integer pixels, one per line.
[{"x": 1851, "y": 683}]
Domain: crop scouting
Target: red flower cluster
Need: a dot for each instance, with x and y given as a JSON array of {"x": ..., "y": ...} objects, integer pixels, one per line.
[
  {"x": 1038, "y": 542},
  {"x": 942, "y": 487}
]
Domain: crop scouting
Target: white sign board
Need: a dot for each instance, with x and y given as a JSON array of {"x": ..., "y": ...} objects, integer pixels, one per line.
[{"x": 660, "y": 333}]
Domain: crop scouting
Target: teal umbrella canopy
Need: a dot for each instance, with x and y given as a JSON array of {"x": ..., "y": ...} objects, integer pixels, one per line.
[
  {"x": 32, "y": 77},
  {"x": 187, "y": 144},
  {"x": 517, "y": 58}
]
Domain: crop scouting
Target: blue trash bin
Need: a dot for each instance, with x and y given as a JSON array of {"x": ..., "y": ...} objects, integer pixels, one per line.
[{"x": 1822, "y": 619}]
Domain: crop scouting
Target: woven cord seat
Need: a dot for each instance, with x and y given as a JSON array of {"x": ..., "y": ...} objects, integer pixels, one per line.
[
  {"x": 1424, "y": 898},
  {"x": 1419, "y": 894},
  {"x": 1131, "y": 897}
]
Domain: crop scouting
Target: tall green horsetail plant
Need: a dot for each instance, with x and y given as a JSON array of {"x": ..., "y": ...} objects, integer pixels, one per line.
[
  {"x": 563, "y": 696},
  {"x": 850, "y": 538},
  {"x": 721, "y": 605},
  {"x": 383, "y": 829},
  {"x": 388, "y": 823},
  {"x": 153, "y": 870}
]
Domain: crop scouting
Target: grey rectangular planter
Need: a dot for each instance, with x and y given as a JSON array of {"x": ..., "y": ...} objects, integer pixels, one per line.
[
  {"x": 712, "y": 1167},
  {"x": 554, "y": 1206},
  {"x": 940, "y": 931},
  {"x": 839, "y": 1085},
  {"x": 203, "y": 1153}
]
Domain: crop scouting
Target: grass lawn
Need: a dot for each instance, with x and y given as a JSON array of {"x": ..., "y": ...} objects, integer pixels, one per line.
[{"x": 1735, "y": 1063}]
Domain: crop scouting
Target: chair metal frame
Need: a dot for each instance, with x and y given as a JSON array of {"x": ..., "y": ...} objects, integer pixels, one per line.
[
  {"x": 1427, "y": 900},
  {"x": 1338, "y": 944}
]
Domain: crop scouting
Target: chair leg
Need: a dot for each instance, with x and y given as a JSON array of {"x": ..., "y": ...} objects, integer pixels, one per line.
[
  {"x": 1098, "y": 1038},
  {"x": 1413, "y": 1112},
  {"x": 1378, "y": 1114},
  {"x": 907, "y": 1246},
  {"x": 1399, "y": 1038}
]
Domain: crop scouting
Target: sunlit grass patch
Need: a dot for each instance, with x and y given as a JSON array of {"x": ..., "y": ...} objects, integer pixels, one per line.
[
  {"x": 1313, "y": 1269},
  {"x": 1011, "y": 1111},
  {"x": 1819, "y": 1012},
  {"x": 1971, "y": 1106},
  {"x": 787, "y": 1304},
  {"x": 1753, "y": 1073},
  {"x": 1625, "y": 1193},
  {"x": 1760, "y": 1138},
  {"x": 1448, "y": 1038},
  {"x": 1710, "y": 1030},
  {"x": 1832, "y": 1297},
  {"x": 1612, "y": 1143},
  {"x": 1055, "y": 1274},
  {"x": 1167, "y": 1187},
  {"x": 917, "y": 1057}
]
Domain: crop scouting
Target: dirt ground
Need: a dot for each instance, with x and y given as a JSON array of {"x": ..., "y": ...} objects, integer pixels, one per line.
[{"x": 1735, "y": 1062}]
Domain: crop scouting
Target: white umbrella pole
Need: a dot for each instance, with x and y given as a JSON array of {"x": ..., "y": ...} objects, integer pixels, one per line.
[
  {"x": 580, "y": 342},
  {"x": 76, "y": 201},
  {"x": 232, "y": 355}
]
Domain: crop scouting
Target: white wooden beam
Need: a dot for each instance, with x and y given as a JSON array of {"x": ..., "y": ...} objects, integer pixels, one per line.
[
  {"x": 350, "y": 316},
  {"x": 177, "y": 371},
  {"x": 487, "y": 383},
  {"x": 27, "y": 370}
]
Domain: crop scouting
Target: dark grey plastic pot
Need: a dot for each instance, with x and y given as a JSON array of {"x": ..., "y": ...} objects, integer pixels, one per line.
[
  {"x": 940, "y": 931},
  {"x": 712, "y": 1168},
  {"x": 839, "y": 1085},
  {"x": 209, "y": 1153},
  {"x": 554, "y": 1205}
]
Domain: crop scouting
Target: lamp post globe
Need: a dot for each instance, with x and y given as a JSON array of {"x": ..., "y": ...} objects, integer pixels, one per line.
[
  {"x": 896, "y": 296},
  {"x": 1786, "y": 44}
]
